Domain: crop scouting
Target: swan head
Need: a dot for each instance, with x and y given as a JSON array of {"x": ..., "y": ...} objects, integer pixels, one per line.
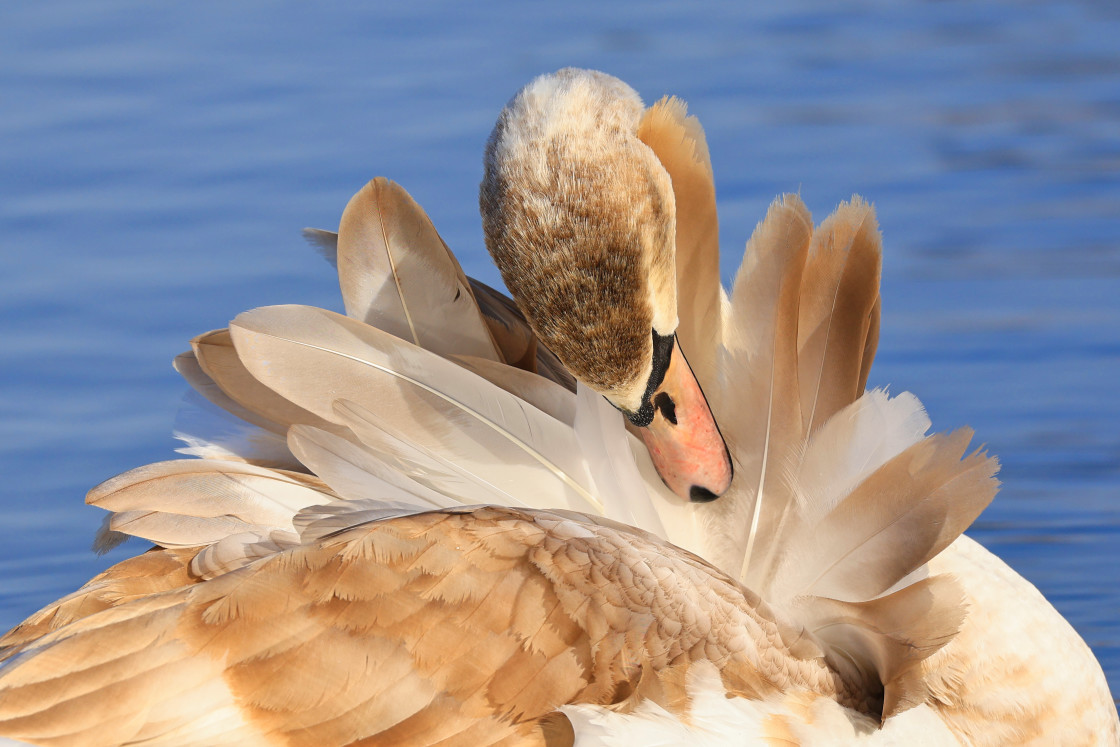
[{"x": 580, "y": 218}]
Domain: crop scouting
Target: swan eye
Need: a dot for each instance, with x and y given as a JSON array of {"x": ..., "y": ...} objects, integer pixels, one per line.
[{"x": 665, "y": 405}]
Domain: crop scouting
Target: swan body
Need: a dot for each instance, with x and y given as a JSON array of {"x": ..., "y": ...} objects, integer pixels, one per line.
[{"x": 414, "y": 526}]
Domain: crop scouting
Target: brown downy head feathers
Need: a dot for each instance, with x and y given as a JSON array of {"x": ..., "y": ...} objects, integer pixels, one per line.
[{"x": 580, "y": 219}]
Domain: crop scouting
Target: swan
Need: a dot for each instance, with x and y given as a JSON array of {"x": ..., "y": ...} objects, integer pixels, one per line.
[{"x": 426, "y": 522}]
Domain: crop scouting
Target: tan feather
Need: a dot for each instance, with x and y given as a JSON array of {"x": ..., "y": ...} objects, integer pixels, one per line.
[
  {"x": 398, "y": 275},
  {"x": 355, "y": 472},
  {"x": 870, "y": 345},
  {"x": 152, "y": 572},
  {"x": 220, "y": 360},
  {"x": 499, "y": 464},
  {"x": 853, "y": 444},
  {"x": 885, "y": 640},
  {"x": 214, "y": 426},
  {"x": 186, "y": 503},
  {"x": 760, "y": 337},
  {"x": 896, "y": 520},
  {"x": 515, "y": 341},
  {"x": 461, "y": 484},
  {"x": 543, "y": 393},
  {"x": 188, "y": 366},
  {"x": 678, "y": 142},
  {"x": 839, "y": 297}
]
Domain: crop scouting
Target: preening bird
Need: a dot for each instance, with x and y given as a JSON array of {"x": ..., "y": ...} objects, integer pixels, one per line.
[{"x": 426, "y": 521}]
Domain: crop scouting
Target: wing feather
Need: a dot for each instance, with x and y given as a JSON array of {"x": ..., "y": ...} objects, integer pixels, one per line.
[
  {"x": 760, "y": 340},
  {"x": 358, "y": 473},
  {"x": 398, "y": 275},
  {"x": 327, "y": 357},
  {"x": 190, "y": 502},
  {"x": 221, "y": 361},
  {"x": 678, "y": 142},
  {"x": 839, "y": 298},
  {"x": 897, "y": 519}
]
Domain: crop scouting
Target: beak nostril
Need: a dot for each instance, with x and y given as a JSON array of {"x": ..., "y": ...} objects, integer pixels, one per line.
[
  {"x": 701, "y": 495},
  {"x": 668, "y": 408}
]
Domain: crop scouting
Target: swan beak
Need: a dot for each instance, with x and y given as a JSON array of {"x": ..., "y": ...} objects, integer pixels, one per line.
[{"x": 683, "y": 438}]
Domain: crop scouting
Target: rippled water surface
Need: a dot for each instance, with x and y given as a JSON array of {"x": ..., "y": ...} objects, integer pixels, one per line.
[{"x": 157, "y": 163}]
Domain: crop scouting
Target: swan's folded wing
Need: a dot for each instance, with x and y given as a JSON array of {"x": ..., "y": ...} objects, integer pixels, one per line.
[{"x": 459, "y": 625}]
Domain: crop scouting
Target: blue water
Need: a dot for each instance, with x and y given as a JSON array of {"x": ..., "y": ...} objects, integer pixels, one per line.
[{"x": 158, "y": 161}]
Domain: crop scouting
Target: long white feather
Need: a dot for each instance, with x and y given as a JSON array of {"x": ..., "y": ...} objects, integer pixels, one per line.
[
  {"x": 760, "y": 333},
  {"x": 315, "y": 358},
  {"x": 356, "y": 473},
  {"x": 186, "y": 503},
  {"x": 467, "y": 483},
  {"x": 544, "y": 394},
  {"x": 189, "y": 367},
  {"x": 601, "y": 434}
]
